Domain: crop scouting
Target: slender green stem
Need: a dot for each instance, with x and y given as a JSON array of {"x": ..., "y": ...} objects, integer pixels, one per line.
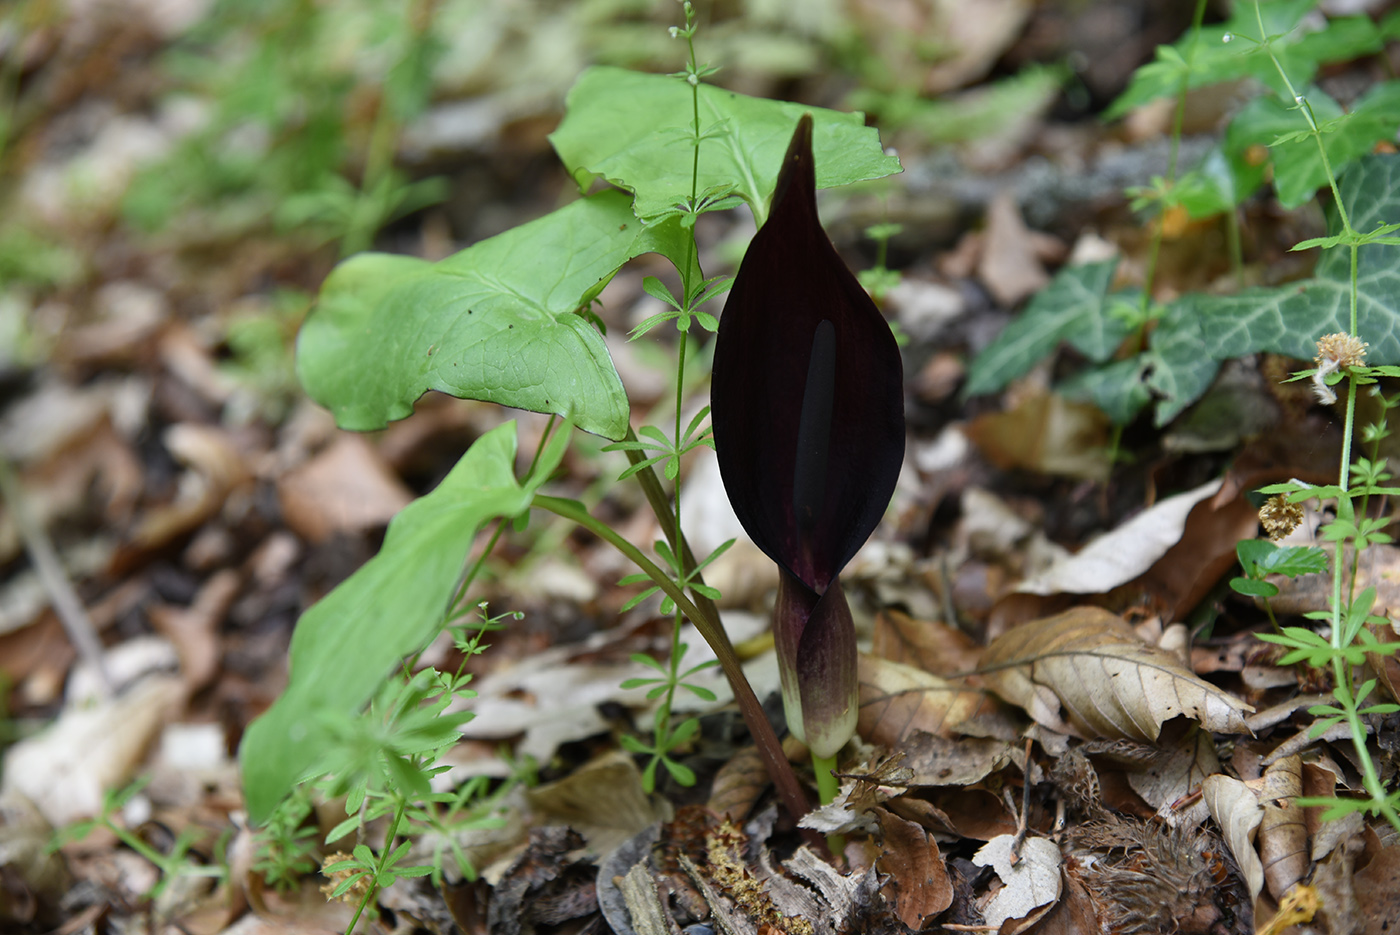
[
  {"x": 828, "y": 786},
  {"x": 779, "y": 770},
  {"x": 401, "y": 805},
  {"x": 1306, "y": 109}
]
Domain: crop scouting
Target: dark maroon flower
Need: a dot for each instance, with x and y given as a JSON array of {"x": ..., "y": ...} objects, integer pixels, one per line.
[{"x": 808, "y": 412}]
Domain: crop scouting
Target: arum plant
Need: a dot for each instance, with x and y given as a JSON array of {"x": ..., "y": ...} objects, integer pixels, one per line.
[{"x": 807, "y": 406}]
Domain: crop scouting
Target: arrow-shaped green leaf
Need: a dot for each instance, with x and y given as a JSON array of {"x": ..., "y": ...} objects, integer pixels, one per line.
[
  {"x": 494, "y": 322},
  {"x": 635, "y": 130}
]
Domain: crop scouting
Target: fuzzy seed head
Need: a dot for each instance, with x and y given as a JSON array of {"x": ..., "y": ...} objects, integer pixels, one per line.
[
  {"x": 1335, "y": 351},
  {"x": 1279, "y": 517}
]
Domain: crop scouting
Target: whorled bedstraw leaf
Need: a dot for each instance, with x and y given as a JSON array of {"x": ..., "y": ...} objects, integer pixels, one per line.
[
  {"x": 494, "y": 322},
  {"x": 1075, "y": 307},
  {"x": 1289, "y": 319},
  {"x": 635, "y": 130},
  {"x": 392, "y": 606}
]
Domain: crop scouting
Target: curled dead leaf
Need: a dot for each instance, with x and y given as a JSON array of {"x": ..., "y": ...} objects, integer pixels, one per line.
[
  {"x": 1236, "y": 810},
  {"x": 1283, "y": 836},
  {"x": 896, "y": 700},
  {"x": 1089, "y": 664},
  {"x": 918, "y": 878}
]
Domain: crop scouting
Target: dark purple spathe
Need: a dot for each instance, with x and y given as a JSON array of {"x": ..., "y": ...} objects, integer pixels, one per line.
[{"x": 808, "y": 413}]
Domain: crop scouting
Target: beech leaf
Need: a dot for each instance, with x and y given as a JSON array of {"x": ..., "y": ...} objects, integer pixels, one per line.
[
  {"x": 1236, "y": 809},
  {"x": 1031, "y": 882},
  {"x": 897, "y": 700},
  {"x": 1088, "y": 664}
]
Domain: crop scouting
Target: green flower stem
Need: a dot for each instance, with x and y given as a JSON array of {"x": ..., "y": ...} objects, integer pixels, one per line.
[
  {"x": 779, "y": 770},
  {"x": 1341, "y": 670},
  {"x": 827, "y": 788},
  {"x": 1306, "y": 110}
]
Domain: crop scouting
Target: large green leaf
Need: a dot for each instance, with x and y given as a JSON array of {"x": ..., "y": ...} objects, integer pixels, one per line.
[
  {"x": 1289, "y": 319},
  {"x": 346, "y": 644},
  {"x": 494, "y": 322},
  {"x": 1075, "y": 307},
  {"x": 1232, "y": 50},
  {"x": 635, "y": 130},
  {"x": 1298, "y": 168}
]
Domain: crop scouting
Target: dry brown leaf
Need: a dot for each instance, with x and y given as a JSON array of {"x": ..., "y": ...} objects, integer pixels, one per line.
[
  {"x": 1009, "y": 267},
  {"x": 1089, "y": 663},
  {"x": 1032, "y": 882},
  {"x": 216, "y": 469},
  {"x": 738, "y": 785},
  {"x": 1075, "y": 913},
  {"x": 1378, "y": 891},
  {"x": 1045, "y": 433},
  {"x": 603, "y": 800},
  {"x": 918, "y": 879},
  {"x": 896, "y": 700},
  {"x": 194, "y": 630},
  {"x": 1283, "y": 837},
  {"x": 1183, "y": 767},
  {"x": 930, "y": 645},
  {"x": 346, "y": 488},
  {"x": 939, "y": 761},
  {"x": 1236, "y": 810}
]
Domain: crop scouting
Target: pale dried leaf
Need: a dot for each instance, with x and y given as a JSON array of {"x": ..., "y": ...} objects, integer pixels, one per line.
[
  {"x": 66, "y": 769},
  {"x": 1031, "y": 882},
  {"x": 1236, "y": 810},
  {"x": 1119, "y": 556},
  {"x": 840, "y": 816},
  {"x": 1173, "y": 776},
  {"x": 603, "y": 800},
  {"x": 896, "y": 700},
  {"x": 1108, "y": 682},
  {"x": 1283, "y": 837},
  {"x": 1009, "y": 267},
  {"x": 918, "y": 878}
]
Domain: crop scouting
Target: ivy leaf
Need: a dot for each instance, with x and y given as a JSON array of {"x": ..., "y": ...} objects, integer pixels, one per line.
[
  {"x": 1074, "y": 307},
  {"x": 1118, "y": 389},
  {"x": 1288, "y": 319},
  {"x": 494, "y": 322},
  {"x": 1181, "y": 367},
  {"x": 635, "y": 131},
  {"x": 347, "y": 642}
]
